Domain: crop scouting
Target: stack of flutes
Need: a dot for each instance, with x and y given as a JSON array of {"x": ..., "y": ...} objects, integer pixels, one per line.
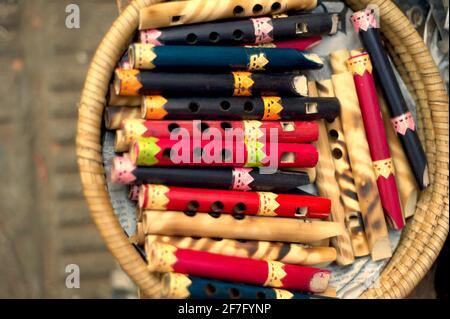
[{"x": 219, "y": 130}]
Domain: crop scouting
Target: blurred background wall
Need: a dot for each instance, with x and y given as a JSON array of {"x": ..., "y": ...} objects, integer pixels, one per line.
[{"x": 44, "y": 222}]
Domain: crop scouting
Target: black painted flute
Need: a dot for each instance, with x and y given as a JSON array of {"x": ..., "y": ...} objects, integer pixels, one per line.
[
  {"x": 245, "y": 31},
  {"x": 365, "y": 23},
  {"x": 219, "y": 59},
  {"x": 266, "y": 108},
  {"x": 134, "y": 82},
  {"x": 181, "y": 286},
  {"x": 242, "y": 179}
]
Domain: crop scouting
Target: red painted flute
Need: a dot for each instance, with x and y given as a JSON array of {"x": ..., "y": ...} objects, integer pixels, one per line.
[
  {"x": 149, "y": 151},
  {"x": 286, "y": 132},
  {"x": 160, "y": 197},
  {"x": 361, "y": 67},
  {"x": 167, "y": 258}
]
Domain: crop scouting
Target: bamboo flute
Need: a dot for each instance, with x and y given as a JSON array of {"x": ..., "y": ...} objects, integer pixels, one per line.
[
  {"x": 168, "y": 258},
  {"x": 196, "y": 11},
  {"x": 359, "y": 155},
  {"x": 344, "y": 178},
  {"x": 289, "y": 253},
  {"x": 248, "y": 227},
  {"x": 328, "y": 187}
]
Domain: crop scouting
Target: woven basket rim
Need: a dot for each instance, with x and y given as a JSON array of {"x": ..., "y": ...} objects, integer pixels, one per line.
[{"x": 425, "y": 234}]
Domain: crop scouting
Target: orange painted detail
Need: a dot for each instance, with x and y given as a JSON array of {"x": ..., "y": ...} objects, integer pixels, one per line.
[
  {"x": 129, "y": 83},
  {"x": 242, "y": 84},
  {"x": 154, "y": 107}
]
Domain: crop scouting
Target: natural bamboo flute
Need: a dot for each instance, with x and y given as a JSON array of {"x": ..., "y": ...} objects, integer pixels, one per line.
[
  {"x": 286, "y": 132},
  {"x": 160, "y": 197},
  {"x": 117, "y": 100},
  {"x": 183, "y": 58},
  {"x": 167, "y": 258},
  {"x": 181, "y": 286},
  {"x": 239, "y": 179},
  {"x": 289, "y": 253},
  {"x": 365, "y": 24},
  {"x": 257, "y": 31},
  {"x": 344, "y": 177},
  {"x": 328, "y": 187},
  {"x": 359, "y": 155},
  {"x": 135, "y": 82},
  {"x": 195, "y": 11},
  {"x": 114, "y": 115},
  {"x": 266, "y": 108},
  {"x": 361, "y": 67},
  {"x": 249, "y": 227}
]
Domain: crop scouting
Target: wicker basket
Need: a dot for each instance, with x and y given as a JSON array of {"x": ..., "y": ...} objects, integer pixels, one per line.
[{"x": 425, "y": 233}]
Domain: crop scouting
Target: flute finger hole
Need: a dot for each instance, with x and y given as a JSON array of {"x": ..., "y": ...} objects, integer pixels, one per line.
[
  {"x": 238, "y": 35},
  {"x": 248, "y": 107},
  {"x": 193, "y": 205},
  {"x": 166, "y": 153},
  {"x": 257, "y": 8},
  {"x": 225, "y": 105},
  {"x": 260, "y": 295},
  {"x": 214, "y": 37},
  {"x": 333, "y": 135},
  {"x": 190, "y": 214},
  {"x": 210, "y": 290},
  {"x": 276, "y": 6},
  {"x": 217, "y": 207},
  {"x": 194, "y": 107},
  {"x": 225, "y": 125},
  {"x": 226, "y": 154},
  {"x": 198, "y": 152},
  {"x": 191, "y": 38},
  {"x": 234, "y": 293},
  {"x": 172, "y": 127},
  {"x": 337, "y": 153},
  {"x": 202, "y": 127},
  {"x": 238, "y": 216},
  {"x": 238, "y": 10},
  {"x": 214, "y": 215},
  {"x": 239, "y": 208}
]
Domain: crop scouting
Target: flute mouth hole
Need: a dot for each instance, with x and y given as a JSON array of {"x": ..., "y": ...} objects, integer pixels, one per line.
[
  {"x": 191, "y": 38},
  {"x": 131, "y": 56}
]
